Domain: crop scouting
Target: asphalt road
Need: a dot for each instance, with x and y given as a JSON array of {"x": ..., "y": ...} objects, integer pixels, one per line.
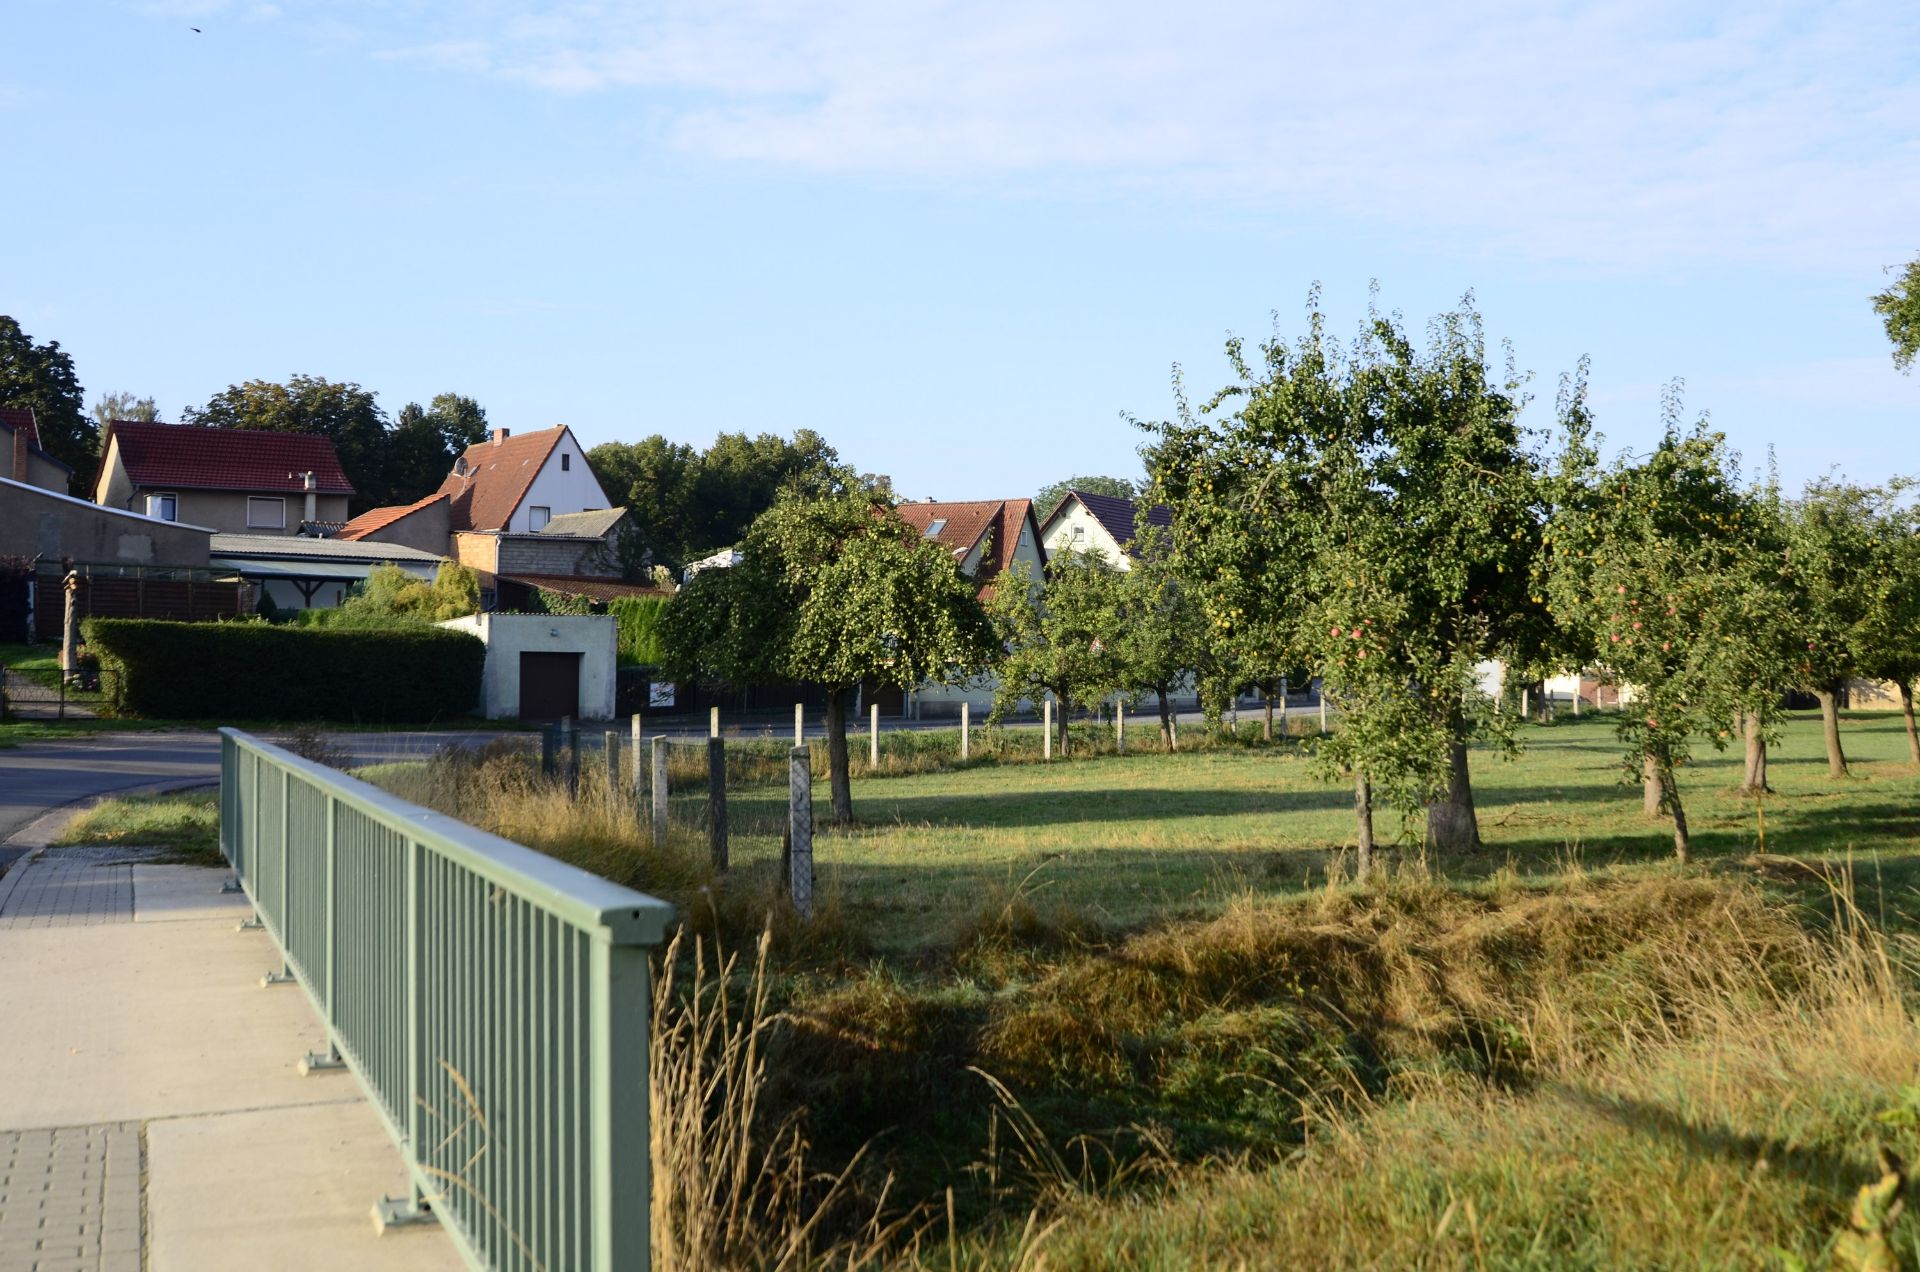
[{"x": 37, "y": 779}]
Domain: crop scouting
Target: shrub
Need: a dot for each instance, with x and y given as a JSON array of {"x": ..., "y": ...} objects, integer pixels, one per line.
[
  {"x": 391, "y": 597},
  {"x": 640, "y": 618},
  {"x": 253, "y": 671}
]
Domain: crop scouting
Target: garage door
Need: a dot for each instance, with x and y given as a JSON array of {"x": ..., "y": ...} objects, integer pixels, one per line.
[{"x": 549, "y": 686}]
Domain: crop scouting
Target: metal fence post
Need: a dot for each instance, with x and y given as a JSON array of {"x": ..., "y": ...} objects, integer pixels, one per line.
[
  {"x": 800, "y": 831},
  {"x": 660, "y": 745},
  {"x": 717, "y": 801}
]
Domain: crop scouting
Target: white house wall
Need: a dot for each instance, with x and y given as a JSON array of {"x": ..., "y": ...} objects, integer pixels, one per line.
[
  {"x": 572, "y": 489},
  {"x": 1093, "y": 536}
]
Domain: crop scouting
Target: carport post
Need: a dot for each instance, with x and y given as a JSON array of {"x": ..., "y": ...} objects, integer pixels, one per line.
[{"x": 660, "y": 745}]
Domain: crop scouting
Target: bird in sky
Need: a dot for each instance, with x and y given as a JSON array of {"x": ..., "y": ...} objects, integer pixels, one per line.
[{"x": 195, "y": 30}]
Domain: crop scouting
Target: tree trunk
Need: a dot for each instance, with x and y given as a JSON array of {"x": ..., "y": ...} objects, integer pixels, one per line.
[
  {"x": 1452, "y": 825},
  {"x": 1830, "y": 723},
  {"x": 1906, "y": 709},
  {"x": 1266, "y": 732},
  {"x": 1755, "y": 781},
  {"x": 1680, "y": 840},
  {"x": 1363, "y": 821},
  {"x": 1167, "y": 738},
  {"x": 1650, "y": 785},
  {"x": 837, "y": 757}
]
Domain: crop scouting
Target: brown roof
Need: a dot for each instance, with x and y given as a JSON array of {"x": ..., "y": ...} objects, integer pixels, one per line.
[
  {"x": 967, "y": 522},
  {"x": 496, "y": 478},
  {"x": 380, "y": 518},
  {"x": 592, "y": 589},
  {"x": 186, "y": 455}
]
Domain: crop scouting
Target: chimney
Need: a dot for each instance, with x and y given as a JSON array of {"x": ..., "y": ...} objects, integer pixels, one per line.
[
  {"x": 312, "y": 486},
  {"x": 19, "y": 469},
  {"x": 501, "y": 434}
]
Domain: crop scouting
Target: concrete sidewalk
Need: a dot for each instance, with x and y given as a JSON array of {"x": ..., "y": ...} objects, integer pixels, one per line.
[{"x": 151, "y": 1112}]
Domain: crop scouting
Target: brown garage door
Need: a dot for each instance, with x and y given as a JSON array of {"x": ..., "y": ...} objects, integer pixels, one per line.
[{"x": 549, "y": 686}]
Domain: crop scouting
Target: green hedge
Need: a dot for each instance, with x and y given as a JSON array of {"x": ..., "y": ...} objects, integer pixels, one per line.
[{"x": 254, "y": 671}]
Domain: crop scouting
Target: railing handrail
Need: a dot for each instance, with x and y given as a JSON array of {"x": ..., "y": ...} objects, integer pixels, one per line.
[{"x": 627, "y": 917}]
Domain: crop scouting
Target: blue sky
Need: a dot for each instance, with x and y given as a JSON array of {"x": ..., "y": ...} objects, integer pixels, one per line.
[{"x": 960, "y": 240}]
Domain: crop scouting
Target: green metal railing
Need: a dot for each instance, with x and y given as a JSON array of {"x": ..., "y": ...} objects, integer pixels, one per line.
[{"x": 492, "y": 1001}]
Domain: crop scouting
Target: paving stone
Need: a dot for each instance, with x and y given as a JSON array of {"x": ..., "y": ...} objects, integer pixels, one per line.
[
  {"x": 61, "y": 1191},
  {"x": 68, "y": 892}
]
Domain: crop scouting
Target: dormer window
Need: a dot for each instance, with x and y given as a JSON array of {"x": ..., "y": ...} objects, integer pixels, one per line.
[
  {"x": 934, "y": 528},
  {"x": 460, "y": 466}
]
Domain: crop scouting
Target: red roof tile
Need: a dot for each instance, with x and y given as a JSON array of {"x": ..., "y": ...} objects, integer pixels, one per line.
[
  {"x": 188, "y": 456},
  {"x": 20, "y": 418},
  {"x": 380, "y": 518},
  {"x": 965, "y": 523},
  {"x": 496, "y": 478}
]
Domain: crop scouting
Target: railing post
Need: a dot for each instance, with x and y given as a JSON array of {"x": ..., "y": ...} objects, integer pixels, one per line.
[
  {"x": 717, "y": 801},
  {"x": 660, "y": 758},
  {"x": 618, "y": 1133}
]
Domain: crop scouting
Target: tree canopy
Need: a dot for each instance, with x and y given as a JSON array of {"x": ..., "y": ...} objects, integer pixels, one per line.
[
  {"x": 123, "y": 406},
  {"x": 41, "y": 378},
  {"x": 1899, "y": 310},
  {"x": 1066, "y": 641},
  {"x": 836, "y": 592},
  {"x": 686, "y": 503}
]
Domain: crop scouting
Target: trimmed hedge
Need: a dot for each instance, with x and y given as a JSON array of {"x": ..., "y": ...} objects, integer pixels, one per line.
[{"x": 257, "y": 671}]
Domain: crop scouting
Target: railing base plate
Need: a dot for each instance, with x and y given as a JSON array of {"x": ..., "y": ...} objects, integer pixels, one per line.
[
  {"x": 232, "y": 885},
  {"x": 249, "y": 925},
  {"x": 399, "y": 1212},
  {"x": 320, "y": 1062},
  {"x": 276, "y": 978}
]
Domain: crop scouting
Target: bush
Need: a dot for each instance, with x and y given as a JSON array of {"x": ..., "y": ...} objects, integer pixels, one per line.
[
  {"x": 253, "y": 671},
  {"x": 390, "y": 597},
  {"x": 640, "y": 618}
]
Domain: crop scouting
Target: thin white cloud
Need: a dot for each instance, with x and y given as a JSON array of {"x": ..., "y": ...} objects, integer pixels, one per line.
[{"x": 1633, "y": 133}]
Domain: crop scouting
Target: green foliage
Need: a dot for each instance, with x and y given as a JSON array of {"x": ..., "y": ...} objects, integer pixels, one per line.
[
  {"x": 1050, "y": 496},
  {"x": 1066, "y": 641},
  {"x": 1370, "y": 512},
  {"x": 1162, "y": 626},
  {"x": 642, "y": 622},
  {"x": 684, "y": 503},
  {"x": 124, "y": 406},
  {"x": 391, "y": 597},
  {"x": 551, "y": 602},
  {"x": 1852, "y": 552},
  {"x": 1899, "y": 309},
  {"x": 256, "y": 671},
  {"x": 41, "y": 377},
  {"x": 424, "y": 443}
]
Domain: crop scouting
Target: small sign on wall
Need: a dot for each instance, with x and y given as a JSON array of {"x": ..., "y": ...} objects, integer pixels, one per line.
[{"x": 660, "y": 694}]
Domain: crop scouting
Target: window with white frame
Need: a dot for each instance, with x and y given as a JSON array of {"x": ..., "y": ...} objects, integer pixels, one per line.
[
  {"x": 266, "y": 513},
  {"x": 934, "y": 528},
  {"x": 538, "y": 517},
  {"x": 164, "y": 507}
]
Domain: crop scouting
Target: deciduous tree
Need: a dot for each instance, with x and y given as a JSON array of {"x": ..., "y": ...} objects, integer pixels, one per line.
[
  {"x": 835, "y": 592},
  {"x": 342, "y": 412},
  {"x": 40, "y": 377},
  {"x": 1067, "y": 641},
  {"x": 123, "y": 406},
  {"x": 1899, "y": 309}
]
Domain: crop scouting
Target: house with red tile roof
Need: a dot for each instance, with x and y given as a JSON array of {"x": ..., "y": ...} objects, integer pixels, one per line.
[
  {"x": 239, "y": 481},
  {"x": 21, "y": 458},
  {"x": 1086, "y": 522},
  {"x": 515, "y": 485},
  {"x": 424, "y": 524},
  {"x": 986, "y": 536}
]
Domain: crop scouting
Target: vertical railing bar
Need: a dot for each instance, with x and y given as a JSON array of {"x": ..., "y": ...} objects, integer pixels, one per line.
[
  {"x": 331, "y": 812},
  {"x": 411, "y": 929}
]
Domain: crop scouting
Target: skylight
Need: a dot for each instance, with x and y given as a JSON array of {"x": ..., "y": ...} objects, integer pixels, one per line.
[{"x": 934, "y": 528}]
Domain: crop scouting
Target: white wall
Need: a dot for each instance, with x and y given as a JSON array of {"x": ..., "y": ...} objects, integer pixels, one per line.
[
  {"x": 507, "y": 636},
  {"x": 1059, "y": 535},
  {"x": 570, "y": 490}
]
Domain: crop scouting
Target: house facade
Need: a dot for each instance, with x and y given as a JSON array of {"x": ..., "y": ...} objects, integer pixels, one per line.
[
  {"x": 987, "y": 538},
  {"x": 21, "y": 458},
  {"x": 237, "y": 481},
  {"x": 1086, "y": 522}
]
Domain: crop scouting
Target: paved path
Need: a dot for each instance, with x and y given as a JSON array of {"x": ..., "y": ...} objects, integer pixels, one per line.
[{"x": 151, "y": 1112}]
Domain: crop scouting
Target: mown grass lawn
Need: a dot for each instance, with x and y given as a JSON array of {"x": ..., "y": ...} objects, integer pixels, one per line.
[{"x": 1128, "y": 840}]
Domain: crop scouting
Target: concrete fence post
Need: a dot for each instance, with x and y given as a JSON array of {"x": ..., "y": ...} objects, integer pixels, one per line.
[
  {"x": 965, "y": 722},
  {"x": 1120, "y": 726},
  {"x": 800, "y": 831},
  {"x": 873, "y": 736},
  {"x": 1046, "y": 728},
  {"x": 1323, "y": 709},
  {"x": 713, "y": 722},
  {"x": 799, "y": 724},
  {"x": 613, "y": 768},
  {"x": 1283, "y": 708},
  {"x": 573, "y": 756},
  {"x": 639, "y": 779},
  {"x": 1576, "y": 701},
  {"x": 1526, "y": 706},
  {"x": 660, "y": 792},
  {"x": 717, "y": 801}
]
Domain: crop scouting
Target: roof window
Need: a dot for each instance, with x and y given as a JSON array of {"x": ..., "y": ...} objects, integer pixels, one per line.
[{"x": 934, "y": 528}]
